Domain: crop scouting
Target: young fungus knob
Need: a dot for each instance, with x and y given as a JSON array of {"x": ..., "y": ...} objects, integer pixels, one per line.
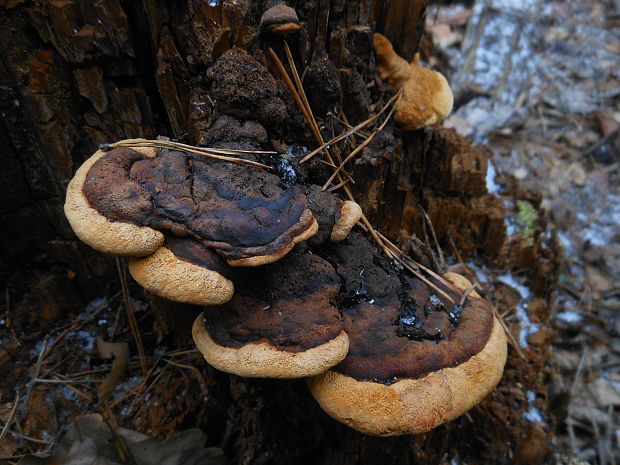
[
  {"x": 426, "y": 95},
  {"x": 280, "y": 19}
]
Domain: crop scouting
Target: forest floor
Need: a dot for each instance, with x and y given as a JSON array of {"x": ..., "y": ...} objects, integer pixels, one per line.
[{"x": 539, "y": 84}]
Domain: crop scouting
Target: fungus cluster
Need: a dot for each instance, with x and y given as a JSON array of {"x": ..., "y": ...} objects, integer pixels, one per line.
[
  {"x": 288, "y": 290},
  {"x": 426, "y": 95}
]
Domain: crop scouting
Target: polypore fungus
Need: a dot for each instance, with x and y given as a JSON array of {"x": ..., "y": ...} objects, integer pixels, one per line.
[
  {"x": 280, "y": 324},
  {"x": 225, "y": 206},
  {"x": 211, "y": 215},
  {"x": 426, "y": 95},
  {"x": 414, "y": 362},
  {"x": 184, "y": 271},
  {"x": 280, "y": 19},
  {"x": 95, "y": 229}
]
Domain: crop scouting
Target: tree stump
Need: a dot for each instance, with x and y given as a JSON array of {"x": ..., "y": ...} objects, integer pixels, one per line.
[{"x": 76, "y": 74}]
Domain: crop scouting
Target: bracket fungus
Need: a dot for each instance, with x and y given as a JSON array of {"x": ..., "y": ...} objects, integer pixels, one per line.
[
  {"x": 186, "y": 219},
  {"x": 279, "y": 325},
  {"x": 426, "y": 95},
  {"x": 280, "y": 19},
  {"x": 414, "y": 362}
]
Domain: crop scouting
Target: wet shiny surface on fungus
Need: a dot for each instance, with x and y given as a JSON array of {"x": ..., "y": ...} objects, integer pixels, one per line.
[{"x": 397, "y": 326}]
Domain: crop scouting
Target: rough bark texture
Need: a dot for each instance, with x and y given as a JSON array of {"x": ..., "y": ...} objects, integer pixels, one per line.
[{"x": 77, "y": 73}]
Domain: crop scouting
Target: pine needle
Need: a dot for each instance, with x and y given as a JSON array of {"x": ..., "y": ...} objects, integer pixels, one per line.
[
  {"x": 351, "y": 131},
  {"x": 131, "y": 318},
  {"x": 359, "y": 148},
  {"x": 304, "y": 107},
  {"x": 217, "y": 154}
]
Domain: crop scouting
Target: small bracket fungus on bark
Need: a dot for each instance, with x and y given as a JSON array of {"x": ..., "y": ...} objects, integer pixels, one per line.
[
  {"x": 426, "y": 95},
  {"x": 186, "y": 219},
  {"x": 280, "y": 19}
]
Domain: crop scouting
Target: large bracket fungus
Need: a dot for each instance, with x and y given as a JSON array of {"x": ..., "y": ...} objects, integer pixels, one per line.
[
  {"x": 187, "y": 219},
  {"x": 413, "y": 363}
]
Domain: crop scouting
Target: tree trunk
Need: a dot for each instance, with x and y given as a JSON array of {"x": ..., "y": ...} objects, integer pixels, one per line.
[{"x": 78, "y": 73}]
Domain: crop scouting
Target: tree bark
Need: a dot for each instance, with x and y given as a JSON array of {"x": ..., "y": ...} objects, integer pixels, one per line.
[{"x": 78, "y": 73}]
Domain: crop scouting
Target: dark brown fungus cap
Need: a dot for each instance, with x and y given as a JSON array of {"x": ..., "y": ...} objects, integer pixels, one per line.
[
  {"x": 123, "y": 238},
  {"x": 280, "y": 19},
  {"x": 184, "y": 271},
  {"x": 415, "y": 361},
  {"x": 238, "y": 210},
  {"x": 281, "y": 324}
]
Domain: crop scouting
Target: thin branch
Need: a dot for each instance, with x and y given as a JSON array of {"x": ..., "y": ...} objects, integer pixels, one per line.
[
  {"x": 9, "y": 421},
  {"x": 352, "y": 130},
  {"x": 511, "y": 338},
  {"x": 466, "y": 294},
  {"x": 359, "y": 148},
  {"x": 430, "y": 223},
  {"x": 131, "y": 318},
  {"x": 206, "y": 152}
]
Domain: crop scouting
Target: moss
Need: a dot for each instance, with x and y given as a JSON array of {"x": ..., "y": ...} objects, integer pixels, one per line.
[{"x": 526, "y": 221}]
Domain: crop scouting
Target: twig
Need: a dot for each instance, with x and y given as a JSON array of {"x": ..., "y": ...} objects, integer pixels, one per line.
[
  {"x": 436, "y": 276},
  {"x": 207, "y": 152},
  {"x": 37, "y": 369},
  {"x": 343, "y": 120},
  {"x": 509, "y": 335},
  {"x": 337, "y": 186},
  {"x": 131, "y": 318},
  {"x": 9, "y": 421},
  {"x": 455, "y": 249},
  {"x": 466, "y": 294},
  {"x": 67, "y": 381},
  {"x": 359, "y": 148},
  {"x": 430, "y": 223},
  {"x": 31, "y": 439},
  {"x": 352, "y": 130}
]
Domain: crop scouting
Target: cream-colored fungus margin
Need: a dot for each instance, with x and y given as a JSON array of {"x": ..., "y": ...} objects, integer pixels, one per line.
[
  {"x": 172, "y": 278},
  {"x": 113, "y": 237},
  {"x": 263, "y": 360}
]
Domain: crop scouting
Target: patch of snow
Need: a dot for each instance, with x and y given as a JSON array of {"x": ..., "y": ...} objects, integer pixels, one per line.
[
  {"x": 492, "y": 185},
  {"x": 482, "y": 274},
  {"x": 532, "y": 414},
  {"x": 527, "y": 326},
  {"x": 569, "y": 317},
  {"x": 566, "y": 243},
  {"x": 84, "y": 339},
  {"x": 96, "y": 304},
  {"x": 407, "y": 320}
]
